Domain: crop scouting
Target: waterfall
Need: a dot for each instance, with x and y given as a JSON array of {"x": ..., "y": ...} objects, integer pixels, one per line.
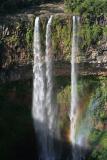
[
  {"x": 39, "y": 78},
  {"x": 43, "y": 109},
  {"x": 49, "y": 78},
  {"x": 50, "y": 109},
  {"x": 39, "y": 90},
  {"x": 74, "y": 93}
]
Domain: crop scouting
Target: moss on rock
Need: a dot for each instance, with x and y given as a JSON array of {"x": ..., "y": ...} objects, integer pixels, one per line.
[{"x": 61, "y": 37}]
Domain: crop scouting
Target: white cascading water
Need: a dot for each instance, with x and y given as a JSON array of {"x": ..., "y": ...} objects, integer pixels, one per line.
[
  {"x": 39, "y": 79},
  {"x": 50, "y": 109},
  {"x": 77, "y": 138},
  {"x": 49, "y": 76},
  {"x": 38, "y": 108},
  {"x": 42, "y": 109},
  {"x": 74, "y": 93}
]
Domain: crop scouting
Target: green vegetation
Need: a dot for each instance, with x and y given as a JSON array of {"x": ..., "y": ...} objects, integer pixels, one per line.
[
  {"x": 99, "y": 154},
  {"x": 93, "y": 14},
  {"x": 94, "y": 8},
  {"x": 90, "y": 35},
  {"x": 16, "y": 39},
  {"x": 105, "y": 31},
  {"x": 99, "y": 151},
  {"x": 93, "y": 100},
  {"x": 61, "y": 37},
  {"x": 28, "y": 38}
]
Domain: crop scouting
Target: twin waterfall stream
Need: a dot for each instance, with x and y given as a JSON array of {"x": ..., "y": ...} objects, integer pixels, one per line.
[{"x": 43, "y": 107}]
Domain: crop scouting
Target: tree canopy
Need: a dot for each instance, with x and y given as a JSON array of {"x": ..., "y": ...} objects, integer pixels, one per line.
[{"x": 96, "y": 7}]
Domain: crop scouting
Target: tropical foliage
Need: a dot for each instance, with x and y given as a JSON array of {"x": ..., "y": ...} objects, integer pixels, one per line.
[
  {"x": 93, "y": 14},
  {"x": 93, "y": 7}
]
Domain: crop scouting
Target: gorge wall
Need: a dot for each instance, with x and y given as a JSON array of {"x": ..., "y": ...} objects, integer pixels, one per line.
[
  {"x": 16, "y": 40},
  {"x": 16, "y": 64}
]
